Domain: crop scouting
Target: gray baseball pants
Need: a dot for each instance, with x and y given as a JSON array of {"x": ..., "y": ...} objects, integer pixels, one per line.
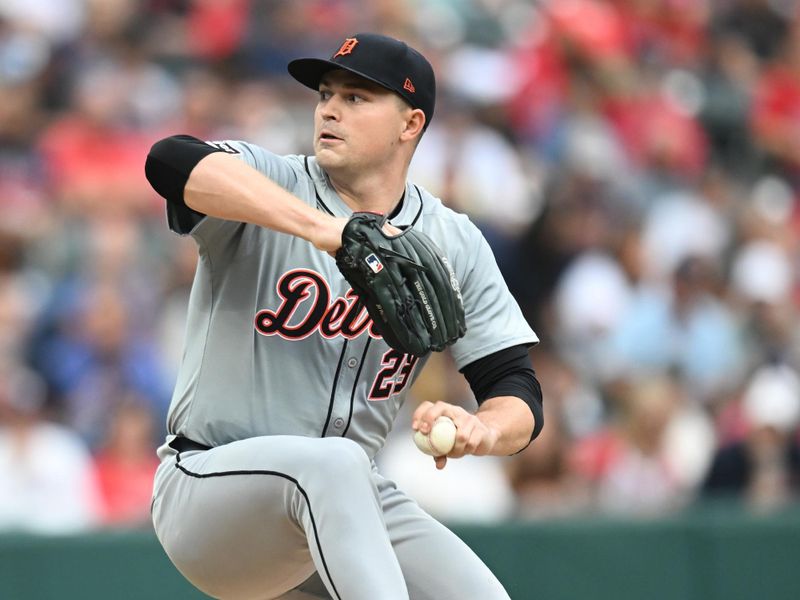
[{"x": 283, "y": 516}]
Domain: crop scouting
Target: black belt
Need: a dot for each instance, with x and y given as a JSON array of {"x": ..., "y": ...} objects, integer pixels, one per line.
[{"x": 182, "y": 444}]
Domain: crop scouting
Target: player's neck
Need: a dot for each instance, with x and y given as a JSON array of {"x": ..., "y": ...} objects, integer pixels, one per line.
[{"x": 375, "y": 193}]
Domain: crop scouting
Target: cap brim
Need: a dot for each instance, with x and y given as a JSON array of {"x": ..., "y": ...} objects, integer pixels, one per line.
[{"x": 310, "y": 71}]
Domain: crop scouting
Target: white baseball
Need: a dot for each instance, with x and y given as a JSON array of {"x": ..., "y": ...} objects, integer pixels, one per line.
[{"x": 440, "y": 440}]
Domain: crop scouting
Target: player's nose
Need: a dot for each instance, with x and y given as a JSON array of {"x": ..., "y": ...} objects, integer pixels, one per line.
[{"x": 330, "y": 109}]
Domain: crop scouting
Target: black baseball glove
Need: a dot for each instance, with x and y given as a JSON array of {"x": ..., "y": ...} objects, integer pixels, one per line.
[{"x": 406, "y": 283}]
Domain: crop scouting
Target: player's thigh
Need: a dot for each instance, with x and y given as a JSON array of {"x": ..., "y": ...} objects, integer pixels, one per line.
[
  {"x": 227, "y": 516},
  {"x": 436, "y": 564}
]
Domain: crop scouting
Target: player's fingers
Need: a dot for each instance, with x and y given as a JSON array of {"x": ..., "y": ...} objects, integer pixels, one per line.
[
  {"x": 463, "y": 419},
  {"x": 482, "y": 440},
  {"x": 441, "y": 462},
  {"x": 427, "y": 413},
  {"x": 473, "y": 437},
  {"x": 464, "y": 433},
  {"x": 475, "y": 441},
  {"x": 419, "y": 414}
]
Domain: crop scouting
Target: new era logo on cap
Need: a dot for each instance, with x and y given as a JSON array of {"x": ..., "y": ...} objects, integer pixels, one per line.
[
  {"x": 408, "y": 86},
  {"x": 374, "y": 263}
]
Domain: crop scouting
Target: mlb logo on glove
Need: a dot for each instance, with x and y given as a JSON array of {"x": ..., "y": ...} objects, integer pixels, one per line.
[
  {"x": 374, "y": 263},
  {"x": 404, "y": 284}
]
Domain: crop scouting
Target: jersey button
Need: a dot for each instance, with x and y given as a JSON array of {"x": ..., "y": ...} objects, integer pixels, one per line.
[
  {"x": 338, "y": 422},
  {"x": 352, "y": 362}
]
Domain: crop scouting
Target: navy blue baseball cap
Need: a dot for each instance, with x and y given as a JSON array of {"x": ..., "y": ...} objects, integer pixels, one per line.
[{"x": 384, "y": 60}]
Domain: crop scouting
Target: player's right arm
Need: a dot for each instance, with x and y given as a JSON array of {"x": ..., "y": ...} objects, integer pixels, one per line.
[{"x": 191, "y": 173}]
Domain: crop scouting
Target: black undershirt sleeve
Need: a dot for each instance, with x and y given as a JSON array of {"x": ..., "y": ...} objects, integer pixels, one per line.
[
  {"x": 507, "y": 372},
  {"x": 167, "y": 168}
]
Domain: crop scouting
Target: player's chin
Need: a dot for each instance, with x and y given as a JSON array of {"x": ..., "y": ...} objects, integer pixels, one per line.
[{"x": 329, "y": 157}]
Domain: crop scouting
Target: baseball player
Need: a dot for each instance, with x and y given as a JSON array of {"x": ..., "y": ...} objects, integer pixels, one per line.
[{"x": 267, "y": 486}]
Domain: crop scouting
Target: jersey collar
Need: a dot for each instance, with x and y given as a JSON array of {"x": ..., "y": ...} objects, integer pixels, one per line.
[{"x": 409, "y": 208}]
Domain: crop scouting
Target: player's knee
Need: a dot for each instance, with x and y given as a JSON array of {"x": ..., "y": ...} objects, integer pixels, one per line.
[{"x": 340, "y": 458}]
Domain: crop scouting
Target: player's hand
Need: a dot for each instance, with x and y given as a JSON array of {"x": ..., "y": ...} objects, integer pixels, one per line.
[
  {"x": 327, "y": 234},
  {"x": 473, "y": 436},
  {"x": 390, "y": 229}
]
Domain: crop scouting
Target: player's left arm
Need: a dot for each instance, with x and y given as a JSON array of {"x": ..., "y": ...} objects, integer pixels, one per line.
[{"x": 509, "y": 414}]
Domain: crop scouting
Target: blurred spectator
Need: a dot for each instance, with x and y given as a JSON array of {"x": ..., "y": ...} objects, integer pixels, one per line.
[
  {"x": 761, "y": 23},
  {"x": 56, "y": 21},
  {"x": 257, "y": 114},
  {"x": 684, "y": 327},
  {"x": 774, "y": 115},
  {"x": 582, "y": 214},
  {"x": 215, "y": 29},
  {"x": 203, "y": 102},
  {"x": 542, "y": 478},
  {"x": 762, "y": 272},
  {"x": 728, "y": 86},
  {"x": 762, "y": 281},
  {"x": 669, "y": 235},
  {"x": 23, "y": 188},
  {"x": 125, "y": 466},
  {"x": 46, "y": 475},
  {"x": 593, "y": 297},
  {"x": 666, "y": 31},
  {"x": 763, "y": 469},
  {"x": 578, "y": 405},
  {"x": 631, "y": 465},
  {"x": 656, "y": 121},
  {"x": 95, "y": 356},
  {"x": 93, "y": 150},
  {"x": 17, "y": 310}
]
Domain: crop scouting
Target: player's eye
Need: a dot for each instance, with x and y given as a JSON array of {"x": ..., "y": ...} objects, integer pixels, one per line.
[
  {"x": 355, "y": 98},
  {"x": 324, "y": 94}
]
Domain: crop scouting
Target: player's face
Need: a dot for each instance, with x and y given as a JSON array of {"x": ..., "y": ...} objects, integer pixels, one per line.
[{"x": 357, "y": 123}]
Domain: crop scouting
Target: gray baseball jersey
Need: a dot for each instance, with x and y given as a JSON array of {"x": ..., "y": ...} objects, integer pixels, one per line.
[
  {"x": 275, "y": 341},
  {"x": 280, "y": 364}
]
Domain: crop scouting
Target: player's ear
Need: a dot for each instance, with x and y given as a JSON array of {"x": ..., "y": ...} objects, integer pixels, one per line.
[{"x": 413, "y": 123}]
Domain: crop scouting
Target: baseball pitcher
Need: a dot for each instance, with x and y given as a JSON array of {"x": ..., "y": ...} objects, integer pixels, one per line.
[{"x": 323, "y": 284}]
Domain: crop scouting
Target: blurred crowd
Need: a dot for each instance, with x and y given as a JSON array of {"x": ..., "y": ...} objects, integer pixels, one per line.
[{"x": 635, "y": 165}]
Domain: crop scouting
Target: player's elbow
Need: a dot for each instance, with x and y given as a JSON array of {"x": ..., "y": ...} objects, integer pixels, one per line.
[{"x": 170, "y": 162}]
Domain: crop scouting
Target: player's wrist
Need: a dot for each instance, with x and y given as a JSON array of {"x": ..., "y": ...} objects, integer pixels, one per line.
[
  {"x": 492, "y": 435},
  {"x": 326, "y": 232}
]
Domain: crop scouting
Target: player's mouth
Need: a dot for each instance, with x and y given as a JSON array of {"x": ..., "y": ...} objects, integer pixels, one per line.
[{"x": 328, "y": 137}]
